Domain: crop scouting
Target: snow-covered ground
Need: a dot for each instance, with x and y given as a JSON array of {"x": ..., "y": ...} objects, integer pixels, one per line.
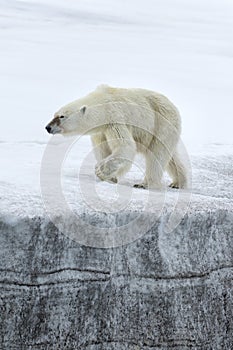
[
  {"x": 29, "y": 188},
  {"x": 58, "y": 50}
]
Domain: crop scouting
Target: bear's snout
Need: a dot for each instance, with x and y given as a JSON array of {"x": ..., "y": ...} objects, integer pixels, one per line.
[{"x": 48, "y": 128}]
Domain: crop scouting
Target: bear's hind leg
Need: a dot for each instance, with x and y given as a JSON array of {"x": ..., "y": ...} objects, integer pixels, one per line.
[
  {"x": 157, "y": 157},
  {"x": 178, "y": 172}
]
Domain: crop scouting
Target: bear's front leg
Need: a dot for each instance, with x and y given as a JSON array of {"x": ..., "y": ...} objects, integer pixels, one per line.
[
  {"x": 102, "y": 151},
  {"x": 103, "y": 172},
  {"x": 101, "y": 177},
  {"x": 108, "y": 169},
  {"x": 123, "y": 150}
]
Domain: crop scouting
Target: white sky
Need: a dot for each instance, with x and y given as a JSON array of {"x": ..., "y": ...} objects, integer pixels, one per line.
[{"x": 55, "y": 51}]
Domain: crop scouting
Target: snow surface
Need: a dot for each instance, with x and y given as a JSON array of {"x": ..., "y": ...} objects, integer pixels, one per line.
[
  {"x": 58, "y": 50},
  {"x": 212, "y": 179}
]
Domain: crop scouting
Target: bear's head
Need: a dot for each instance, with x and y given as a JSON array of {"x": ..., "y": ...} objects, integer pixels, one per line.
[{"x": 67, "y": 121}]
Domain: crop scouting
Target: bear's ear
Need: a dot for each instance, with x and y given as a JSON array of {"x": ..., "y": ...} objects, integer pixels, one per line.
[{"x": 83, "y": 109}]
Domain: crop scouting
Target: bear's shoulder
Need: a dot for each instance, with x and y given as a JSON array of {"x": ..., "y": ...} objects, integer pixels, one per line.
[
  {"x": 107, "y": 89},
  {"x": 103, "y": 88}
]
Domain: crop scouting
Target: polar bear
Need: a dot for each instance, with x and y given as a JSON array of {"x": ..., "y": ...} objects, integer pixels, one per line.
[{"x": 122, "y": 122}]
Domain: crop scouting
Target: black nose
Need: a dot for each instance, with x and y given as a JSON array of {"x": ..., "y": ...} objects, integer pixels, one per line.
[{"x": 48, "y": 128}]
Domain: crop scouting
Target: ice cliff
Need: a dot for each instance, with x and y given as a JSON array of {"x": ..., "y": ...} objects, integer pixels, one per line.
[{"x": 163, "y": 290}]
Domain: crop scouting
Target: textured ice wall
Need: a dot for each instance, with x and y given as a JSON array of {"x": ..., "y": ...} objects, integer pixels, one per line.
[{"x": 164, "y": 290}]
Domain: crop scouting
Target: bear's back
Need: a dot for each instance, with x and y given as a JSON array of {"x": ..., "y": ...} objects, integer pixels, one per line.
[{"x": 148, "y": 98}]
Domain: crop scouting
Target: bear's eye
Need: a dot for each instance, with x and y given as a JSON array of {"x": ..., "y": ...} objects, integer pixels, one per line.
[{"x": 62, "y": 116}]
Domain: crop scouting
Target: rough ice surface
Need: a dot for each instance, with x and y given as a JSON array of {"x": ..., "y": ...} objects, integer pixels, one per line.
[
  {"x": 61, "y": 286},
  {"x": 163, "y": 290}
]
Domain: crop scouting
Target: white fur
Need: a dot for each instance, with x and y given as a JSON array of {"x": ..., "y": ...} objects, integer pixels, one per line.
[{"x": 122, "y": 122}]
